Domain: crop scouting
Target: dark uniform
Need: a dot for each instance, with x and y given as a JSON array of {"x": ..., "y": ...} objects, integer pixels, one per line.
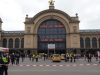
[
  {"x": 1, "y": 62},
  {"x": 89, "y": 57},
  {"x": 5, "y": 60}
]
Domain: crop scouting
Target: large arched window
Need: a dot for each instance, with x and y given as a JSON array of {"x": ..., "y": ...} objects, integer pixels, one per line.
[
  {"x": 22, "y": 43},
  {"x": 81, "y": 42},
  {"x": 4, "y": 42},
  {"x": 10, "y": 45},
  {"x": 17, "y": 41},
  {"x": 51, "y": 32},
  {"x": 87, "y": 43},
  {"x": 94, "y": 42}
]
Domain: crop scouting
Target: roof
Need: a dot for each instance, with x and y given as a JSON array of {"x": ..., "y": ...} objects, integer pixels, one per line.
[
  {"x": 16, "y": 32},
  {"x": 71, "y": 19},
  {"x": 13, "y": 33},
  {"x": 50, "y": 11},
  {"x": 90, "y": 30},
  {"x": 22, "y": 32}
]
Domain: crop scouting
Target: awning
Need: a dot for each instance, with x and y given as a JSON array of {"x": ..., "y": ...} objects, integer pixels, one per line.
[{"x": 4, "y": 49}]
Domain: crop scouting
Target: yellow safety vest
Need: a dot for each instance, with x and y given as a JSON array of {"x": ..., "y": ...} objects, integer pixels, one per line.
[{"x": 5, "y": 60}]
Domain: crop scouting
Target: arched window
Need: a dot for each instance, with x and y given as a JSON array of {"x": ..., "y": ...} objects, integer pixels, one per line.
[
  {"x": 87, "y": 43},
  {"x": 81, "y": 42},
  {"x": 17, "y": 41},
  {"x": 94, "y": 42},
  {"x": 51, "y": 31},
  {"x": 4, "y": 42},
  {"x": 10, "y": 45},
  {"x": 22, "y": 43},
  {"x": 99, "y": 42}
]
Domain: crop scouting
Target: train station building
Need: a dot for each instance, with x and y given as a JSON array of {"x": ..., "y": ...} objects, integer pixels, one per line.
[{"x": 50, "y": 26}]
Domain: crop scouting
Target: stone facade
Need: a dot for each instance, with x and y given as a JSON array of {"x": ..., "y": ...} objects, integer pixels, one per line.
[
  {"x": 71, "y": 25},
  {"x": 75, "y": 38}
]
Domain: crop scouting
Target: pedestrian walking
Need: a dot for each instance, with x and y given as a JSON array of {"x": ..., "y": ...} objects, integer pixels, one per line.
[
  {"x": 71, "y": 57},
  {"x": 17, "y": 56},
  {"x": 89, "y": 57},
  {"x": 67, "y": 56},
  {"x": 44, "y": 56},
  {"x": 85, "y": 56},
  {"x": 99, "y": 55},
  {"x": 33, "y": 57},
  {"x": 36, "y": 57},
  {"x": 30, "y": 56},
  {"x": 96, "y": 56},
  {"x": 99, "y": 59},
  {"x": 74, "y": 57},
  {"x": 12, "y": 58},
  {"x": 23, "y": 56}
]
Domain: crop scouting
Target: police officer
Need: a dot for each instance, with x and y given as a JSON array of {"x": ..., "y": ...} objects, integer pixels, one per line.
[
  {"x": 1, "y": 62},
  {"x": 5, "y": 60}
]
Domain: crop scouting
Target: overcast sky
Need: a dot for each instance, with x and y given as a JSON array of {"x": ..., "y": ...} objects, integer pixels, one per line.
[{"x": 13, "y": 12}]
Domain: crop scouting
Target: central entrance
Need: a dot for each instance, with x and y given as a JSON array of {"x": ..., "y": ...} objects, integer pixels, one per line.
[{"x": 51, "y": 31}]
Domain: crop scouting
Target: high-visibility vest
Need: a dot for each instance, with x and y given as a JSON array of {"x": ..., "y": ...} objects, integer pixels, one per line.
[
  {"x": 5, "y": 60},
  {"x": 33, "y": 56}
]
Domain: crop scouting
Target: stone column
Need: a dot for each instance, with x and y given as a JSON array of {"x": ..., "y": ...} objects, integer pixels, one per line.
[
  {"x": 14, "y": 43},
  {"x": 84, "y": 42},
  {"x": 91, "y": 43},
  {"x": 7, "y": 43},
  {"x": 19, "y": 42},
  {"x": 97, "y": 43},
  {"x": 35, "y": 41}
]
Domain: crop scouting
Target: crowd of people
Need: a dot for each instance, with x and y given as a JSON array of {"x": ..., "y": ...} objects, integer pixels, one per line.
[
  {"x": 16, "y": 57},
  {"x": 68, "y": 57},
  {"x": 72, "y": 57}
]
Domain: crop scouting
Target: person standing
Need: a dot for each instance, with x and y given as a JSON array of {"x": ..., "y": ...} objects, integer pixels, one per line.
[
  {"x": 5, "y": 60},
  {"x": 30, "y": 56},
  {"x": 12, "y": 57},
  {"x": 99, "y": 55},
  {"x": 44, "y": 56},
  {"x": 36, "y": 57},
  {"x": 17, "y": 58},
  {"x": 67, "y": 56},
  {"x": 74, "y": 57},
  {"x": 23, "y": 56},
  {"x": 89, "y": 57},
  {"x": 1, "y": 63},
  {"x": 96, "y": 56},
  {"x": 33, "y": 57},
  {"x": 71, "y": 57}
]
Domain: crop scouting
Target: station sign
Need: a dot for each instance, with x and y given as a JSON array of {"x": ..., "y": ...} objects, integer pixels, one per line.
[{"x": 51, "y": 46}]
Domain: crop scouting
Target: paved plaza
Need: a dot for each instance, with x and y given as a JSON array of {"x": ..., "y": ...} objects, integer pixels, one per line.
[{"x": 47, "y": 67}]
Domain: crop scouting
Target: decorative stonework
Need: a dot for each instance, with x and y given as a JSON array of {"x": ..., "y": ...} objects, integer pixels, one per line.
[
  {"x": 71, "y": 19},
  {"x": 51, "y": 3},
  {"x": 65, "y": 23}
]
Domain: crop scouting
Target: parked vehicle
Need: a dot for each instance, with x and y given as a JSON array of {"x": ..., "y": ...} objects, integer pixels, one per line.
[
  {"x": 62, "y": 56},
  {"x": 56, "y": 58}
]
